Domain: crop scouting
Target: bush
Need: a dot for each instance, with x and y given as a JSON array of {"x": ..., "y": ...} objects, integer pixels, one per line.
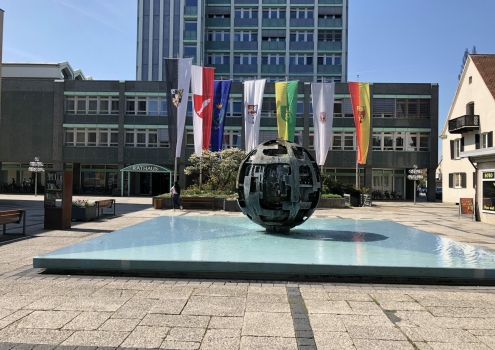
[{"x": 330, "y": 195}]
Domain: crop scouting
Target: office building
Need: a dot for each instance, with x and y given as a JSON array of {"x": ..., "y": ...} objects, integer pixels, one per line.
[{"x": 303, "y": 40}]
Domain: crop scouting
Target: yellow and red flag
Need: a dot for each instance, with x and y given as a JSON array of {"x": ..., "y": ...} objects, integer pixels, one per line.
[{"x": 360, "y": 102}]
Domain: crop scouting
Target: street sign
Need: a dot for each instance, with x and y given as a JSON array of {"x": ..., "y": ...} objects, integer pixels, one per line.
[{"x": 36, "y": 167}]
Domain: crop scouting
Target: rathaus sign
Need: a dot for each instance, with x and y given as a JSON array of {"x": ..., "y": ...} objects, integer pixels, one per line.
[{"x": 144, "y": 168}]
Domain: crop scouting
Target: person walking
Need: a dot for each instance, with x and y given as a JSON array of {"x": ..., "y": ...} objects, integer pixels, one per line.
[{"x": 175, "y": 192}]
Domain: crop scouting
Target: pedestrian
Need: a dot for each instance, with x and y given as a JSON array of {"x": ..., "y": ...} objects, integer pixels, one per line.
[{"x": 175, "y": 193}]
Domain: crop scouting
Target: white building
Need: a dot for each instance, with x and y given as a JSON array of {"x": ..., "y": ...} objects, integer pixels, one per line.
[
  {"x": 468, "y": 164},
  {"x": 62, "y": 70}
]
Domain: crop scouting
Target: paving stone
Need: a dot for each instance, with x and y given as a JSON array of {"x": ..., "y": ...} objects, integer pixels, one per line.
[
  {"x": 226, "y": 322},
  {"x": 120, "y": 324},
  {"x": 364, "y": 344},
  {"x": 215, "y": 306},
  {"x": 47, "y": 319},
  {"x": 254, "y": 306},
  {"x": 267, "y": 343},
  {"x": 221, "y": 339},
  {"x": 34, "y": 336},
  {"x": 333, "y": 340},
  {"x": 175, "y": 321},
  {"x": 384, "y": 333},
  {"x": 146, "y": 337},
  {"x": 96, "y": 338},
  {"x": 177, "y": 345},
  {"x": 87, "y": 321},
  {"x": 262, "y": 324},
  {"x": 186, "y": 334},
  {"x": 215, "y": 290},
  {"x": 174, "y": 306},
  {"x": 328, "y": 307}
]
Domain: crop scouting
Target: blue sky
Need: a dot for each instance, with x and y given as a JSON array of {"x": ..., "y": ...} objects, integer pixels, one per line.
[{"x": 413, "y": 41}]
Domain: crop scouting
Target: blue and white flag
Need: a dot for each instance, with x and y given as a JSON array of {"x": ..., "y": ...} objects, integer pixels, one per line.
[{"x": 220, "y": 103}]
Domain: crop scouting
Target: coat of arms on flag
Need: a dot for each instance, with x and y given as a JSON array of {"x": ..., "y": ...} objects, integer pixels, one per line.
[
  {"x": 200, "y": 103},
  {"x": 323, "y": 117},
  {"x": 285, "y": 112},
  {"x": 361, "y": 113},
  {"x": 252, "y": 109},
  {"x": 177, "y": 96}
]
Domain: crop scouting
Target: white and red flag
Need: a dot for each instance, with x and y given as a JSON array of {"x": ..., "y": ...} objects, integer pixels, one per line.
[
  {"x": 202, "y": 88},
  {"x": 253, "y": 99}
]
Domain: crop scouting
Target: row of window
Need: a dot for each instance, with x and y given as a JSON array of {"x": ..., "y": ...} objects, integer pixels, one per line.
[
  {"x": 484, "y": 140},
  {"x": 92, "y": 105},
  {"x": 294, "y": 36},
  {"x": 341, "y": 140},
  {"x": 274, "y": 13},
  {"x": 303, "y": 59},
  {"x": 158, "y": 105},
  {"x": 401, "y": 141}
]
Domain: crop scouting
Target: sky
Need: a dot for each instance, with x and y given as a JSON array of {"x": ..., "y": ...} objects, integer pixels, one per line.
[{"x": 403, "y": 41}]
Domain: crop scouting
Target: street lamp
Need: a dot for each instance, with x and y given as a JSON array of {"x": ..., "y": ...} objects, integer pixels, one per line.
[
  {"x": 36, "y": 167},
  {"x": 415, "y": 174}
]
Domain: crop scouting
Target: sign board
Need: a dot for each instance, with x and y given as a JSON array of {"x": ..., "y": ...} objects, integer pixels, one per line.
[{"x": 466, "y": 206}]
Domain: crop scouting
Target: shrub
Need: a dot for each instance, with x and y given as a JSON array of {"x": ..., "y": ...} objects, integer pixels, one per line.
[{"x": 330, "y": 195}]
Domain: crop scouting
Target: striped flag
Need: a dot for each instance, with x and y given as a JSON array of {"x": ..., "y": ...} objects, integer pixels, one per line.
[
  {"x": 286, "y": 97},
  {"x": 177, "y": 80},
  {"x": 322, "y": 100},
  {"x": 360, "y": 102},
  {"x": 253, "y": 99},
  {"x": 220, "y": 103},
  {"x": 202, "y": 83}
]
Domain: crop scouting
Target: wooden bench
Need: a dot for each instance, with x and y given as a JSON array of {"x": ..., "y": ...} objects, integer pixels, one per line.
[
  {"x": 105, "y": 203},
  {"x": 13, "y": 217},
  {"x": 190, "y": 202}
]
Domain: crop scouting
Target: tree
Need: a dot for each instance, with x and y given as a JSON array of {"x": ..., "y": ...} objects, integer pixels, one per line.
[
  {"x": 464, "y": 59},
  {"x": 219, "y": 169}
]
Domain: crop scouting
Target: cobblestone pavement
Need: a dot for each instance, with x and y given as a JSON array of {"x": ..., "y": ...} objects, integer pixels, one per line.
[{"x": 43, "y": 311}]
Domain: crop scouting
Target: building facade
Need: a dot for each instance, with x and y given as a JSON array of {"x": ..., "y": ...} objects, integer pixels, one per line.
[
  {"x": 303, "y": 40},
  {"x": 98, "y": 128},
  {"x": 468, "y": 153}
]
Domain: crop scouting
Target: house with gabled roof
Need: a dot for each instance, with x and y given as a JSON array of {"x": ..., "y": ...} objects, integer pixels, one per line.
[{"x": 468, "y": 152}]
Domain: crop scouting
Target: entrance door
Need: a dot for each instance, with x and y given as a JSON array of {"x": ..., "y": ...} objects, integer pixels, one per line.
[
  {"x": 145, "y": 185},
  {"x": 160, "y": 183}
]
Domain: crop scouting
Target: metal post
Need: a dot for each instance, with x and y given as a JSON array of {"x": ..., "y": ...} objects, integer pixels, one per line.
[
  {"x": 175, "y": 170},
  {"x": 357, "y": 184},
  {"x": 35, "y": 184},
  {"x": 415, "y": 190}
]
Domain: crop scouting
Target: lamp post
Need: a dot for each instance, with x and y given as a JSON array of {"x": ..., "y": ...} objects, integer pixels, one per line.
[
  {"x": 36, "y": 167},
  {"x": 415, "y": 174}
]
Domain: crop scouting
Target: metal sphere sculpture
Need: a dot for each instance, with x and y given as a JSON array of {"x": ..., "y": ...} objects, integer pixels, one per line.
[{"x": 278, "y": 185}]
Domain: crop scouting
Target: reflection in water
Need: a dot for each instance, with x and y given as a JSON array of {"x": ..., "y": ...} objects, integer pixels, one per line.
[{"x": 336, "y": 236}]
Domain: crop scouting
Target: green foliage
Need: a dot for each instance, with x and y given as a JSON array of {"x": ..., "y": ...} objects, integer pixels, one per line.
[
  {"x": 330, "y": 185},
  {"x": 331, "y": 195},
  {"x": 218, "y": 169}
]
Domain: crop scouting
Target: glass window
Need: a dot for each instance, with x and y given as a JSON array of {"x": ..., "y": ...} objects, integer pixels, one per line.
[
  {"x": 129, "y": 139},
  {"x": 104, "y": 104},
  {"x": 153, "y": 139},
  {"x": 80, "y": 138},
  {"x": 399, "y": 141},
  {"x": 131, "y": 107},
  {"x": 91, "y": 137},
  {"x": 70, "y": 105},
  {"x": 93, "y": 106},
  {"x": 103, "y": 138},
  {"x": 377, "y": 141},
  {"x": 153, "y": 106},
  {"x": 163, "y": 106},
  {"x": 114, "y": 137},
  {"x": 190, "y": 26},
  {"x": 69, "y": 137},
  {"x": 388, "y": 141},
  {"x": 337, "y": 142},
  {"x": 141, "y": 139},
  {"x": 141, "y": 106},
  {"x": 115, "y": 106},
  {"x": 81, "y": 105},
  {"x": 423, "y": 142},
  {"x": 348, "y": 141}
]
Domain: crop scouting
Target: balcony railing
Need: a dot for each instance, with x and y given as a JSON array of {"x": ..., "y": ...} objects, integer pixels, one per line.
[{"x": 464, "y": 124}]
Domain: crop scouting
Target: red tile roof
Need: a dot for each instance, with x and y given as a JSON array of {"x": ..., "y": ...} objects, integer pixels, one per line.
[{"x": 486, "y": 67}]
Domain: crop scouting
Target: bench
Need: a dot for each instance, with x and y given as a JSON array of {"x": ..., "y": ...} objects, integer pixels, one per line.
[
  {"x": 105, "y": 203},
  {"x": 189, "y": 202},
  {"x": 13, "y": 217}
]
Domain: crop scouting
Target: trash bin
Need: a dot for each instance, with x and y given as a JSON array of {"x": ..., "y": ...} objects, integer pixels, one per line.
[{"x": 158, "y": 203}]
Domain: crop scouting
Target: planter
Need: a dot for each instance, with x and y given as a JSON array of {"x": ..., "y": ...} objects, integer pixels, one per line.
[
  {"x": 158, "y": 203},
  {"x": 231, "y": 205},
  {"x": 84, "y": 213},
  {"x": 331, "y": 203}
]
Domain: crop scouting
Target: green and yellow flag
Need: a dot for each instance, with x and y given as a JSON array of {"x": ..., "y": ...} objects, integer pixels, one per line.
[{"x": 286, "y": 96}]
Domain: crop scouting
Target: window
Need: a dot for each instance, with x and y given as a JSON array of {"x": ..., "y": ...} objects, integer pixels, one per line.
[
  {"x": 301, "y": 36},
  {"x": 303, "y": 59},
  {"x": 383, "y": 107},
  {"x": 413, "y": 108},
  {"x": 332, "y": 35},
  {"x": 302, "y": 13},
  {"x": 218, "y": 59},
  {"x": 218, "y": 35},
  {"x": 487, "y": 140},
  {"x": 470, "y": 80},
  {"x": 245, "y": 59},
  {"x": 273, "y": 13},
  {"x": 190, "y": 26},
  {"x": 488, "y": 184},
  {"x": 394, "y": 141},
  {"x": 232, "y": 138},
  {"x": 146, "y": 105},
  {"x": 273, "y": 59},
  {"x": 457, "y": 148},
  {"x": 143, "y": 138},
  {"x": 343, "y": 140},
  {"x": 329, "y": 60},
  {"x": 91, "y": 137},
  {"x": 246, "y": 13},
  {"x": 245, "y": 36},
  {"x": 190, "y": 51},
  {"x": 91, "y": 105},
  {"x": 457, "y": 180}
]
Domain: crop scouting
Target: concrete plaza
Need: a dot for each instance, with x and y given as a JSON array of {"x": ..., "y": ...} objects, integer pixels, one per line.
[{"x": 59, "y": 311}]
